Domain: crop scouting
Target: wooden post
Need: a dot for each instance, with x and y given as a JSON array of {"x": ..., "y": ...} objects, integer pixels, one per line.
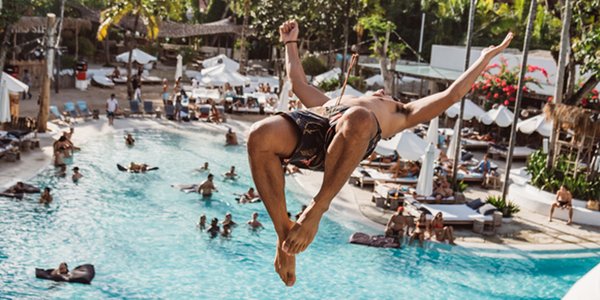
[
  {"x": 243, "y": 37},
  {"x": 77, "y": 43},
  {"x": 47, "y": 76},
  {"x": 459, "y": 119},
  {"x": 513, "y": 132},
  {"x": 560, "y": 77}
]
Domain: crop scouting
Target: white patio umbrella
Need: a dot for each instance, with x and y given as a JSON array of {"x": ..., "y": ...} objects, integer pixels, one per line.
[
  {"x": 350, "y": 91},
  {"x": 425, "y": 181},
  {"x": 219, "y": 75},
  {"x": 179, "y": 68},
  {"x": 14, "y": 85},
  {"x": 471, "y": 111},
  {"x": 408, "y": 145},
  {"x": 537, "y": 123},
  {"x": 221, "y": 59},
  {"x": 4, "y": 103},
  {"x": 137, "y": 55},
  {"x": 501, "y": 115},
  {"x": 284, "y": 96},
  {"x": 453, "y": 143},
  {"x": 433, "y": 132},
  {"x": 331, "y": 74}
]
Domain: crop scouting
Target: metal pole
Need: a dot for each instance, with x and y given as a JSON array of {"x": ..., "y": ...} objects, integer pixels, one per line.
[
  {"x": 560, "y": 77},
  {"x": 456, "y": 153},
  {"x": 513, "y": 132},
  {"x": 421, "y": 37}
]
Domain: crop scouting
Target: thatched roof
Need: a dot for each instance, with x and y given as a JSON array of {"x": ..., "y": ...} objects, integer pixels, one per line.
[
  {"x": 579, "y": 120},
  {"x": 38, "y": 24},
  {"x": 168, "y": 28}
]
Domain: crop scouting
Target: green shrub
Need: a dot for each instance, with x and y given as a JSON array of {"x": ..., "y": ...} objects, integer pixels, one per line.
[
  {"x": 508, "y": 208},
  {"x": 551, "y": 179},
  {"x": 313, "y": 66},
  {"x": 187, "y": 54},
  {"x": 329, "y": 85},
  {"x": 357, "y": 83},
  {"x": 461, "y": 186},
  {"x": 87, "y": 48},
  {"x": 67, "y": 61}
]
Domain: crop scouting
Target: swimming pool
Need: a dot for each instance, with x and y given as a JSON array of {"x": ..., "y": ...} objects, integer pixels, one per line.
[{"x": 140, "y": 234}]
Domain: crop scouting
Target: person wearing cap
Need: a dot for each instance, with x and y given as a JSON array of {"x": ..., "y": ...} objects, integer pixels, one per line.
[
  {"x": 230, "y": 138},
  {"x": 396, "y": 224},
  {"x": 76, "y": 175}
]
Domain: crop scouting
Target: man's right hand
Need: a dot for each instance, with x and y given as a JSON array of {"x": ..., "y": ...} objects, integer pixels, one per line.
[{"x": 288, "y": 31}]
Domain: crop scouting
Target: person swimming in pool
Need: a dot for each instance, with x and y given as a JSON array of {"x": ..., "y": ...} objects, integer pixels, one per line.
[
  {"x": 129, "y": 140},
  {"x": 230, "y": 138},
  {"x": 207, "y": 187},
  {"x": 204, "y": 167},
  {"x": 46, "y": 198},
  {"x": 76, "y": 175},
  {"x": 214, "y": 229},
  {"x": 229, "y": 220},
  {"x": 254, "y": 223},
  {"x": 226, "y": 233},
  {"x": 137, "y": 168},
  {"x": 202, "y": 222},
  {"x": 231, "y": 174},
  {"x": 331, "y": 137}
]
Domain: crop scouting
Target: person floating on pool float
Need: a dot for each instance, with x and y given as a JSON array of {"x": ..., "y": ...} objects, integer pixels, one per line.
[
  {"x": 203, "y": 168},
  {"x": 62, "y": 270},
  {"x": 46, "y": 198},
  {"x": 250, "y": 197},
  {"x": 230, "y": 138},
  {"x": 214, "y": 228},
  {"x": 129, "y": 140},
  {"x": 76, "y": 175},
  {"x": 231, "y": 174},
  {"x": 254, "y": 223},
  {"x": 202, "y": 222},
  {"x": 207, "y": 187},
  {"x": 331, "y": 137}
]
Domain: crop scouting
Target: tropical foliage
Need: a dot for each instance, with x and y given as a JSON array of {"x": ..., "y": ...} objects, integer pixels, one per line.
[
  {"x": 550, "y": 179},
  {"x": 508, "y": 208},
  {"x": 498, "y": 84}
]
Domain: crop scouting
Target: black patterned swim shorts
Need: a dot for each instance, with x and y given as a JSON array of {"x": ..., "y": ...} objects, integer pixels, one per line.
[{"x": 315, "y": 133}]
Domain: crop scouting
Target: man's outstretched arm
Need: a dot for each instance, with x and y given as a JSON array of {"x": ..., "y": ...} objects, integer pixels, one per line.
[
  {"x": 431, "y": 106},
  {"x": 308, "y": 95}
]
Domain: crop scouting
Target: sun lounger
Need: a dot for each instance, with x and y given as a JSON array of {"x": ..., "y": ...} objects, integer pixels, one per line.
[
  {"x": 471, "y": 144},
  {"x": 368, "y": 176},
  {"x": 120, "y": 80},
  {"x": 470, "y": 176},
  {"x": 134, "y": 107},
  {"x": 102, "y": 81},
  {"x": 70, "y": 109},
  {"x": 383, "y": 189},
  {"x": 83, "y": 109},
  {"x": 376, "y": 164},
  {"x": 148, "y": 108},
  {"x": 454, "y": 214},
  {"x": 246, "y": 110},
  {"x": 151, "y": 79},
  {"x": 520, "y": 153},
  {"x": 203, "y": 94},
  {"x": 55, "y": 113}
]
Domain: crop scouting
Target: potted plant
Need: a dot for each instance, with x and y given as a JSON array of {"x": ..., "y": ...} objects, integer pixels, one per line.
[{"x": 507, "y": 208}]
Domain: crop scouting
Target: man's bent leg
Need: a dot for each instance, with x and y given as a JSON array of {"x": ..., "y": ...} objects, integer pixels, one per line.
[
  {"x": 269, "y": 140},
  {"x": 354, "y": 131}
]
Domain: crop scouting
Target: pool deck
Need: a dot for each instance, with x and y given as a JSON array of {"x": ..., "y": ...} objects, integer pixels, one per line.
[{"x": 527, "y": 231}]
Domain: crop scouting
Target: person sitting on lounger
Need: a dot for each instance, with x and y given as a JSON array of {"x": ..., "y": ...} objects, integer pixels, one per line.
[
  {"x": 564, "y": 200},
  {"x": 202, "y": 222},
  {"x": 214, "y": 228},
  {"x": 484, "y": 166},
  {"x": 441, "y": 232},
  {"x": 46, "y": 198},
  {"x": 129, "y": 140},
  {"x": 76, "y": 175},
  {"x": 254, "y": 223},
  {"x": 411, "y": 170},
  {"x": 395, "y": 226},
  {"x": 116, "y": 74},
  {"x": 214, "y": 115},
  {"x": 207, "y": 187},
  {"x": 249, "y": 197},
  {"x": 421, "y": 227},
  {"x": 230, "y": 138},
  {"x": 62, "y": 270},
  {"x": 231, "y": 174},
  {"x": 442, "y": 189}
]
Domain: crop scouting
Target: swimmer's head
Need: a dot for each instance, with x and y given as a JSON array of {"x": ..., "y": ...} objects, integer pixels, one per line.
[
  {"x": 210, "y": 176},
  {"x": 400, "y": 209}
]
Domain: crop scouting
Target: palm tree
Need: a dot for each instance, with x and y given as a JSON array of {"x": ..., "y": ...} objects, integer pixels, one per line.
[{"x": 147, "y": 10}]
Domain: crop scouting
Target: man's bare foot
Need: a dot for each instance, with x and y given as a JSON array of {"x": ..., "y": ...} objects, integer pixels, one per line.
[
  {"x": 285, "y": 266},
  {"x": 304, "y": 230},
  {"x": 569, "y": 222},
  {"x": 550, "y": 220}
]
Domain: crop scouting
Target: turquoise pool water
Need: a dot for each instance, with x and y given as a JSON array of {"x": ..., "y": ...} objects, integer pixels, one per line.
[{"x": 140, "y": 234}]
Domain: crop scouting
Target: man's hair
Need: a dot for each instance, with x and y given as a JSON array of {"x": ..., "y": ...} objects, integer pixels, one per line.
[
  {"x": 211, "y": 175},
  {"x": 112, "y": 95}
]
